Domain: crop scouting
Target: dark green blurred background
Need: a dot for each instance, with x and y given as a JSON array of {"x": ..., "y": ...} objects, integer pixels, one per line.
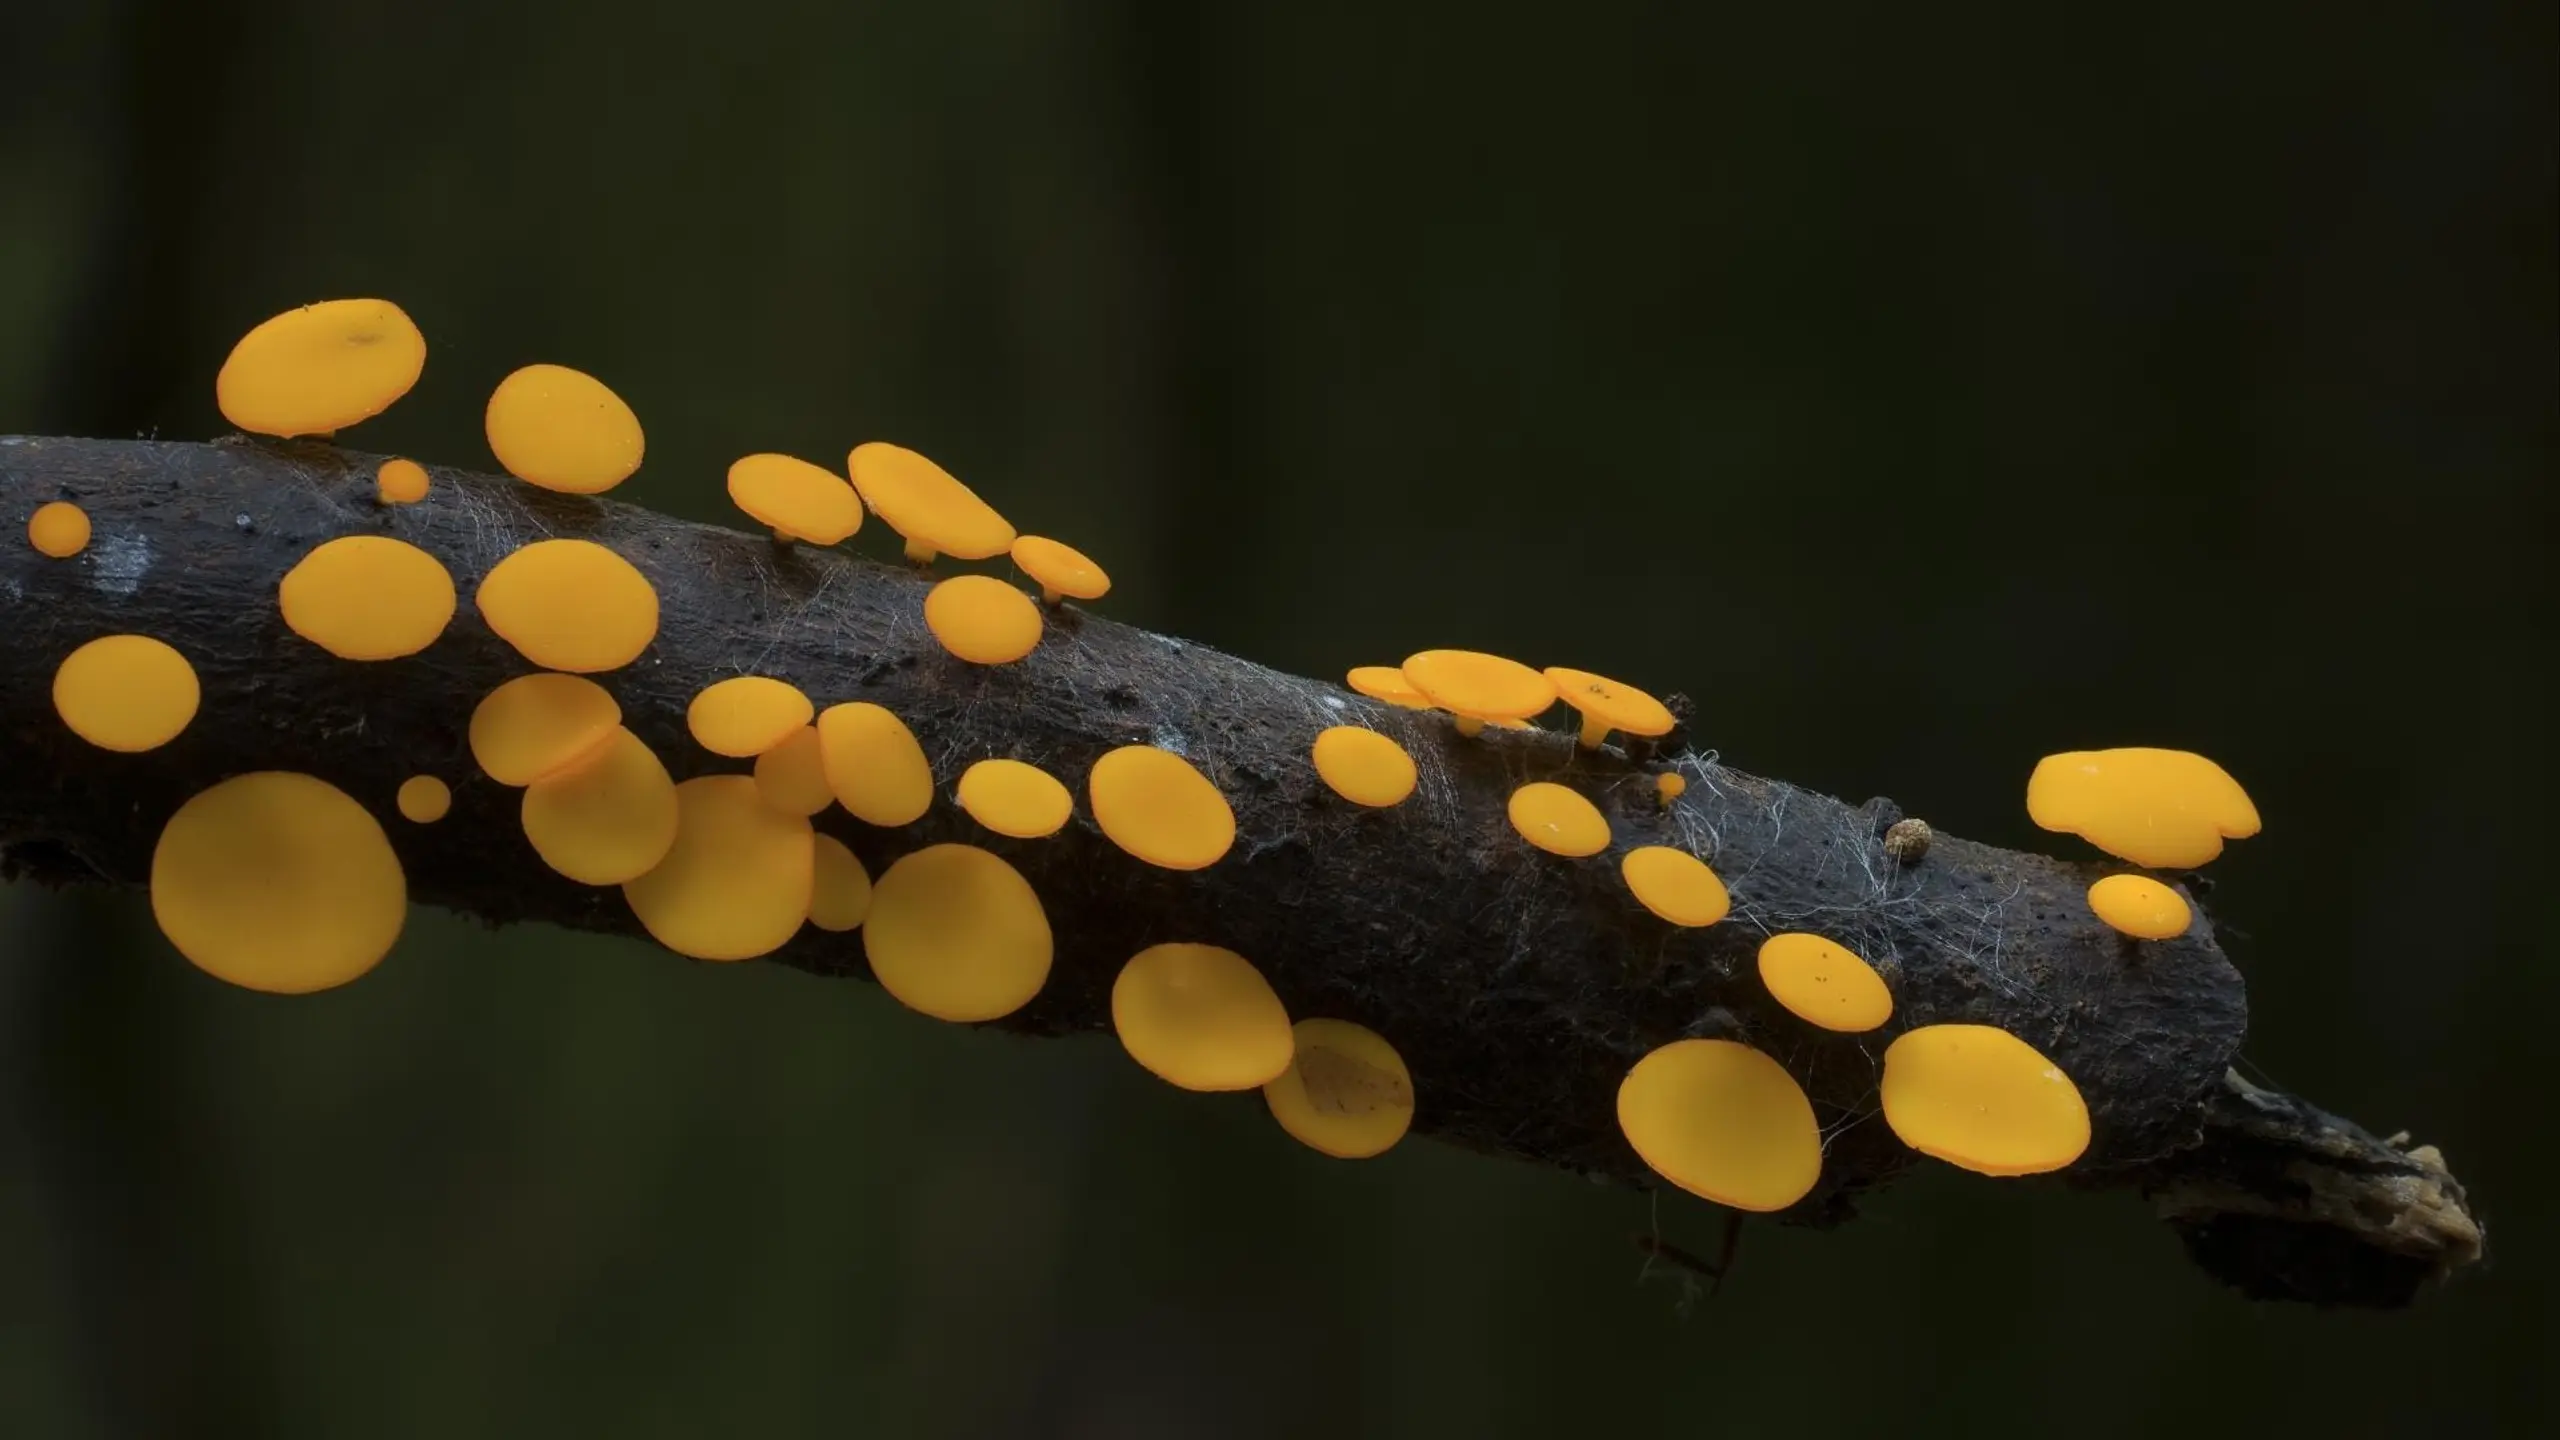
[{"x": 1922, "y": 389}]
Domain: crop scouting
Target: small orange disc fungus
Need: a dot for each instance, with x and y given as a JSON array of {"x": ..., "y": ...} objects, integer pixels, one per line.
[
  {"x": 1557, "y": 820},
  {"x": 2141, "y": 907},
  {"x": 59, "y": 529},
  {"x": 1477, "y": 687},
  {"x": 321, "y": 368},
  {"x": 400, "y": 482},
  {"x": 956, "y": 933},
  {"x": 367, "y": 597},
  {"x": 795, "y": 499},
  {"x": 1824, "y": 982},
  {"x": 1981, "y": 1098},
  {"x": 1014, "y": 798},
  {"x": 279, "y": 882},
  {"x": 1607, "y": 705},
  {"x": 873, "y": 764},
  {"x": 1346, "y": 1092},
  {"x": 746, "y": 715},
  {"x": 792, "y": 776},
  {"x": 840, "y": 889},
  {"x": 537, "y": 724},
  {"x": 127, "y": 693},
  {"x": 738, "y": 880},
  {"x": 1386, "y": 682},
  {"x": 424, "y": 799},
  {"x": 1201, "y": 1017},
  {"x": 564, "y": 430},
  {"x": 1722, "y": 1121},
  {"x": 1363, "y": 766},
  {"x": 982, "y": 619},
  {"x": 2166, "y": 809},
  {"x": 1153, "y": 804},
  {"x": 609, "y": 817},
  {"x": 570, "y": 605},
  {"x": 1060, "y": 570},
  {"x": 1675, "y": 885},
  {"x": 922, "y": 502}
]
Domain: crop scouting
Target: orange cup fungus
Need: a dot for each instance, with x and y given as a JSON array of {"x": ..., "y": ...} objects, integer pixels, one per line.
[
  {"x": 1061, "y": 570},
  {"x": 1386, "y": 682},
  {"x": 1981, "y": 1098},
  {"x": 839, "y": 888},
  {"x": 126, "y": 693},
  {"x": 1153, "y": 804},
  {"x": 59, "y": 529},
  {"x": 2141, "y": 907},
  {"x": 1607, "y": 705},
  {"x": 874, "y": 765},
  {"x": 424, "y": 799},
  {"x": 278, "y": 882},
  {"x": 2166, "y": 809},
  {"x": 1724, "y": 1122},
  {"x": 563, "y": 430},
  {"x": 1201, "y": 1017},
  {"x": 1363, "y": 766},
  {"x": 1557, "y": 820},
  {"x": 536, "y": 725},
  {"x": 608, "y": 818},
  {"x": 1014, "y": 798},
  {"x": 1477, "y": 687},
  {"x": 1669, "y": 786},
  {"x": 1675, "y": 885},
  {"x": 738, "y": 880},
  {"x": 923, "y": 502},
  {"x": 956, "y": 933},
  {"x": 320, "y": 368},
  {"x": 795, "y": 499},
  {"x": 570, "y": 605},
  {"x": 746, "y": 715},
  {"x": 400, "y": 482},
  {"x": 367, "y": 597},
  {"x": 792, "y": 776},
  {"x": 982, "y": 619},
  {"x": 1346, "y": 1092},
  {"x": 1823, "y": 982}
]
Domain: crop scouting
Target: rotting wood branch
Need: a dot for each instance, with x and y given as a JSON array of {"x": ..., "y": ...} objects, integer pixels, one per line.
[{"x": 1519, "y": 986}]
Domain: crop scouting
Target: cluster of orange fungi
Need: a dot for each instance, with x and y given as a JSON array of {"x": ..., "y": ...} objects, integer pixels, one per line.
[{"x": 282, "y": 882}]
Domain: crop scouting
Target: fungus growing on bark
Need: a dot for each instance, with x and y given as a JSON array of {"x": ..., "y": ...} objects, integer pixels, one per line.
[
  {"x": 424, "y": 799},
  {"x": 608, "y": 817},
  {"x": 367, "y": 597},
  {"x": 1607, "y": 705},
  {"x": 956, "y": 933},
  {"x": 570, "y": 605},
  {"x": 278, "y": 881},
  {"x": 2141, "y": 907},
  {"x": 1346, "y": 1092},
  {"x": 1669, "y": 786},
  {"x": 537, "y": 724},
  {"x": 1060, "y": 570},
  {"x": 1824, "y": 983},
  {"x": 792, "y": 776},
  {"x": 1013, "y": 798},
  {"x": 839, "y": 888},
  {"x": 795, "y": 499},
  {"x": 1386, "y": 682},
  {"x": 873, "y": 764},
  {"x": 563, "y": 430},
  {"x": 1476, "y": 687},
  {"x": 982, "y": 620},
  {"x": 924, "y": 503},
  {"x": 746, "y": 715},
  {"x": 321, "y": 368},
  {"x": 1675, "y": 885},
  {"x": 1558, "y": 820},
  {"x": 1979, "y": 1097},
  {"x": 1201, "y": 1017},
  {"x": 737, "y": 881},
  {"x": 400, "y": 482},
  {"x": 2164, "y": 809},
  {"x": 1153, "y": 804},
  {"x": 1363, "y": 766},
  {"x": 59, "y": 529},
  {"x": 127, "y": 693},
  {"x": 1724, "y": 1122}
]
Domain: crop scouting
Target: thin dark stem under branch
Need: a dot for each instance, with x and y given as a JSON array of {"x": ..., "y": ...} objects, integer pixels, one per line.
[{"x": 1519, "y": 986}]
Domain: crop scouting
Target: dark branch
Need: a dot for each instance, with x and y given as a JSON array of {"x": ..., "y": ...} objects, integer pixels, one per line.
[{"x": 1519, "y": 986}]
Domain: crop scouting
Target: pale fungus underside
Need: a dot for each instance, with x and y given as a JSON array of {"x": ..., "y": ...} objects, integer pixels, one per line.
[{"x": 1519, "y": 988}]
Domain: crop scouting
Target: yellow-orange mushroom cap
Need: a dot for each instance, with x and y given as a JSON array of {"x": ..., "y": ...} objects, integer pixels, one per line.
[
  {"x": 1386, "y": 682},
  {"x": 278, "y": 882},
  {"x": 957, "y": 934},
  {"x": 1346, "y": 1092},
  {"x": 840, "y": 889},
  {"x": 737, "y": 882},
  {"x": 570, "y": 605},
  {"x": 792, "y": 776},
  {"x": 1201, "y": 1017},
  {"x": 1477, "y": 687},
  {"x": 1824, "y": 982},
  {"x": 59, "y": 529},
  {"x": 609, "y": 817},
  {"x": 1675, "y": 885},
  {"x": 367, "y": 597},
  {"x": 1363, "y": 766},
  {"x": 873, "y": 764},
  {"x": 1607, "y": 705},
  {"x": 537, "y": 724},
  {"x": 1724, "y": 1122},
  {"x": 1061, "y": 570},
  {"x": 320, "y": 368},
  {"x": 747, "y": 715},
  {"x": 424, "y": 799},
  {"x": 1668, "y": 787},
  {"x": 2167, "y": 809},
  {"x": 126, "y": 693},
  {"x": 923, "y": 502},
  {"x": 1013, "y": 798},
  {"x": 982, "y": 619},
  {"x": 1153, "y": 804},
  {"x": 1981, "y": 1098},
  {"x": 1557, "y": 820},
  {"x": 2141, "y": 907},
  {"x": 798, "y": 500},
  {"x": 563, "y": 430},
  {"x": 400, "y": 482}
]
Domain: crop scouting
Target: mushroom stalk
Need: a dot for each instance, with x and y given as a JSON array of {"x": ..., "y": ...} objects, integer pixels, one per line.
[{"x": 1518, "y": 986}]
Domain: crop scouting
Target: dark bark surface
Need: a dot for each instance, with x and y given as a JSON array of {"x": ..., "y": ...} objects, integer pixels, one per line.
[{"x": 1519, "y": 986}]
